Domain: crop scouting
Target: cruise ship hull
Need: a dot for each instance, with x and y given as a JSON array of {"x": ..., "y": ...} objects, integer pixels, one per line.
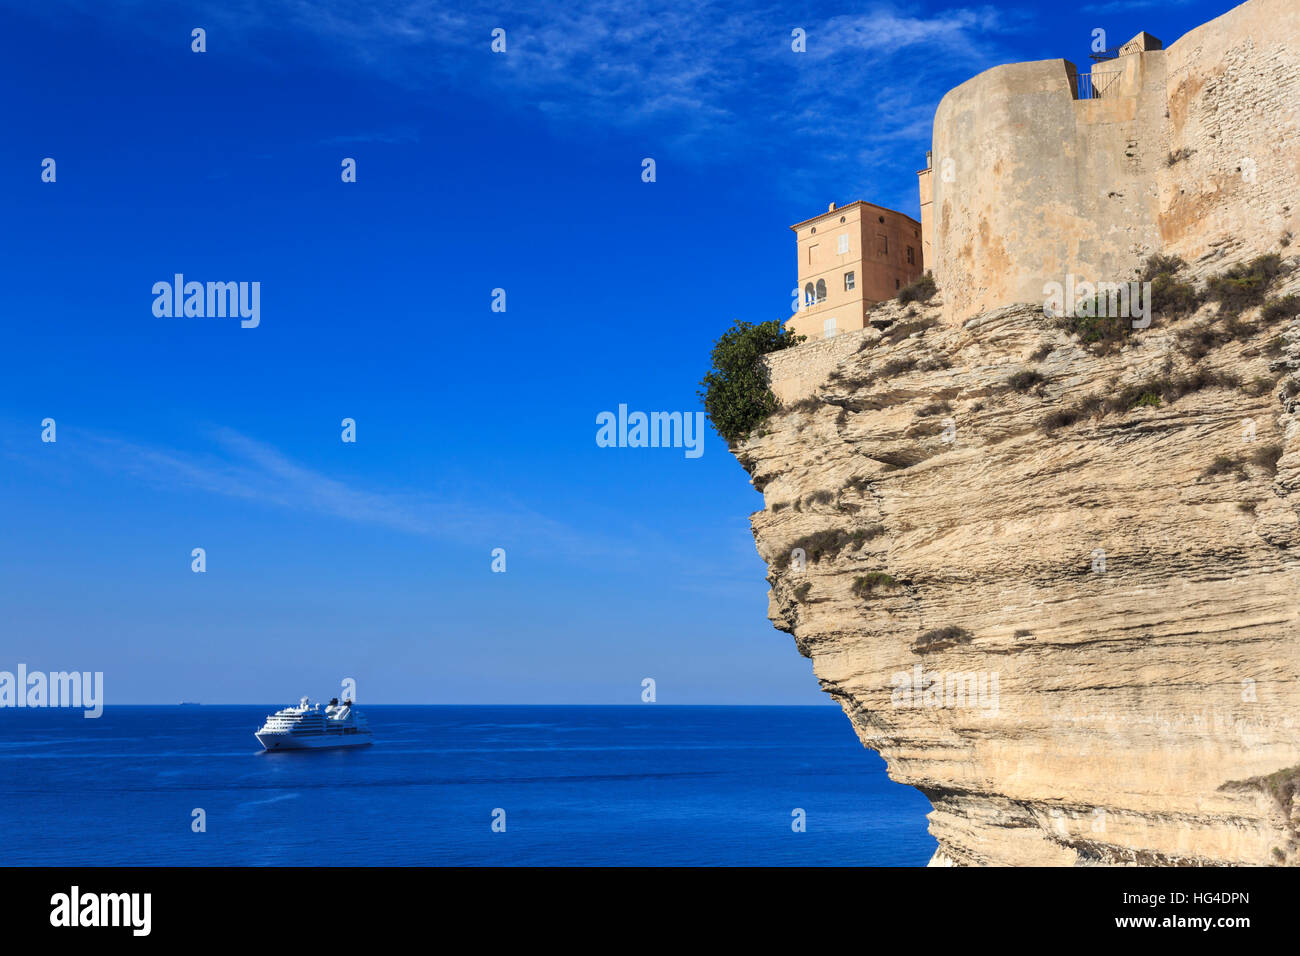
[{"x": 314, "y": 742}]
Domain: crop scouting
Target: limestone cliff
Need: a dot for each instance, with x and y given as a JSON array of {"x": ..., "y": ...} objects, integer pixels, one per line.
[{"x": 1099, "y": 554}]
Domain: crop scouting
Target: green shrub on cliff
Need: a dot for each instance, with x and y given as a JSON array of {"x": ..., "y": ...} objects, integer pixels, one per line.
[
  {"x": 1243, "y": 286},
  {"x": 871, "y": 583},
  {"x": 827, "y": 543},
  {"x": 1100, "y": 334},
  {"x": 1151, "y": 393},
  {"x": 1237, "y": 289},
  {"x": 1277, "y": 310},
  {"x": 735, "y": 392},
  {"x": 1223, "y": 465},
  {"x": 1160, "y": 265},
  {"x": 1171, "y": 298},
  {"x": 921, "y": 289},
  {"x": 1024, "y": 380},
  {"x": 941, "y": 638},
  {"x": 1266, "y": 456}
]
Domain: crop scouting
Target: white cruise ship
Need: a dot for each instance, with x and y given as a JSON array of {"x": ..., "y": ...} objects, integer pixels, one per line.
[{"x": 307, "y": 727}]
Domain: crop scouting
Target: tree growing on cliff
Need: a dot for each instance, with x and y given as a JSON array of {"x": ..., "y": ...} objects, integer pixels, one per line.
[{"x": 735, "y": 392}]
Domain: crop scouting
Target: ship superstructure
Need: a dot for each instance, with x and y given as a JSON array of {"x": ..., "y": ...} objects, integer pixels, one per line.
[{"x": 310, "y": 727}]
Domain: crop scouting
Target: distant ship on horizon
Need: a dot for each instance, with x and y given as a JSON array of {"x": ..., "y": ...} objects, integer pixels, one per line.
[
  {"x": 189, "y": 703},
  {"x": 307, "y": 727}
]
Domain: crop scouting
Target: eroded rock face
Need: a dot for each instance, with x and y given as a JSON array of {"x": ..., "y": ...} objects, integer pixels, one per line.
[{"x": 1116, "y": 598}]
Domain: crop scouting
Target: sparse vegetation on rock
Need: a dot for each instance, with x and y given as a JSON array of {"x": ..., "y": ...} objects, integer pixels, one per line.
[
  {"x": 809, "y": 404},
  {"x": 1237, "y": 289},
  {"x": 921, "y": 289},
  {"x": 1025, "y": 380},
  {"x": 827, "y": 543},
  {"x": 1257, "y": 386},
  {"x": 1244, "y": 286},
  {"x": 1266, "y": 456},
  {"x": 1203, "y": 338},
  {"x": 1281, "y": 309},
  {"x": 940, "y": 638},
  {"x": 871, "y": 583},
  {"x": 1224, "y": 465},
  {"x": 1171, "y": 298},
  {"x": 1150, "y": 393},
  {"x": 1100, "y": 334},
  {"x": 901, "y": 330},
  {"x": 934, "y": 408}
]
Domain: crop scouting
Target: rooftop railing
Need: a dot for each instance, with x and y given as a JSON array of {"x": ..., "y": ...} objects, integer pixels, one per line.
[{"x": 1096, "y": 86}]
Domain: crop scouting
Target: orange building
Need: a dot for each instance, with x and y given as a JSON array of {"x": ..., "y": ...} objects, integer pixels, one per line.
[{"x": 849, "y": 258}]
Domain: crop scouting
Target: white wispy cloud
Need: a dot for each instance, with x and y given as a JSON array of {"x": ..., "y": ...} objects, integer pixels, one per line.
[
  {"x": 239, "y": 467},
  {"x": 718, "y": 79}
]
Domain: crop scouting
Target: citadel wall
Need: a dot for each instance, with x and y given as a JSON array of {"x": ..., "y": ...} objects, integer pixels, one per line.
[{"x": 1193, "y": 151}]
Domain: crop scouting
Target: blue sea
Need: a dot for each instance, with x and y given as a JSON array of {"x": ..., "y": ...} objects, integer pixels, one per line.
[{"x": 646, "y": 785}]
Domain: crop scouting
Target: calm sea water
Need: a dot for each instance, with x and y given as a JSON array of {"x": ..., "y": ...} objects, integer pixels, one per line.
[{"x": 642, "y": 785}]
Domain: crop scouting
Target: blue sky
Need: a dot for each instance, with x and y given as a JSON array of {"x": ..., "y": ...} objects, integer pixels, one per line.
[{"x": 476, "y": 429}]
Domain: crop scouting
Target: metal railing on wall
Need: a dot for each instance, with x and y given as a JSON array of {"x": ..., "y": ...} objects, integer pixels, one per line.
[{"x": 1095, "y": 86}]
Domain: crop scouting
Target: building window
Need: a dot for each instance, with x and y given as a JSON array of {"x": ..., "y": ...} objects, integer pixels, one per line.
[
  {"x": 842, "y": 247},
  {"x": 812, "y": 252},
  {"x": 911, "y": 256},
  {"x": 821, "y": 290},
  {"x": 849, "y": 281},
  {"x": 828, "y": 329},
  {"x": 809, "y": 294},
  {"x": 895, "y": 283},
  {"x": 882, "y": 245}
]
